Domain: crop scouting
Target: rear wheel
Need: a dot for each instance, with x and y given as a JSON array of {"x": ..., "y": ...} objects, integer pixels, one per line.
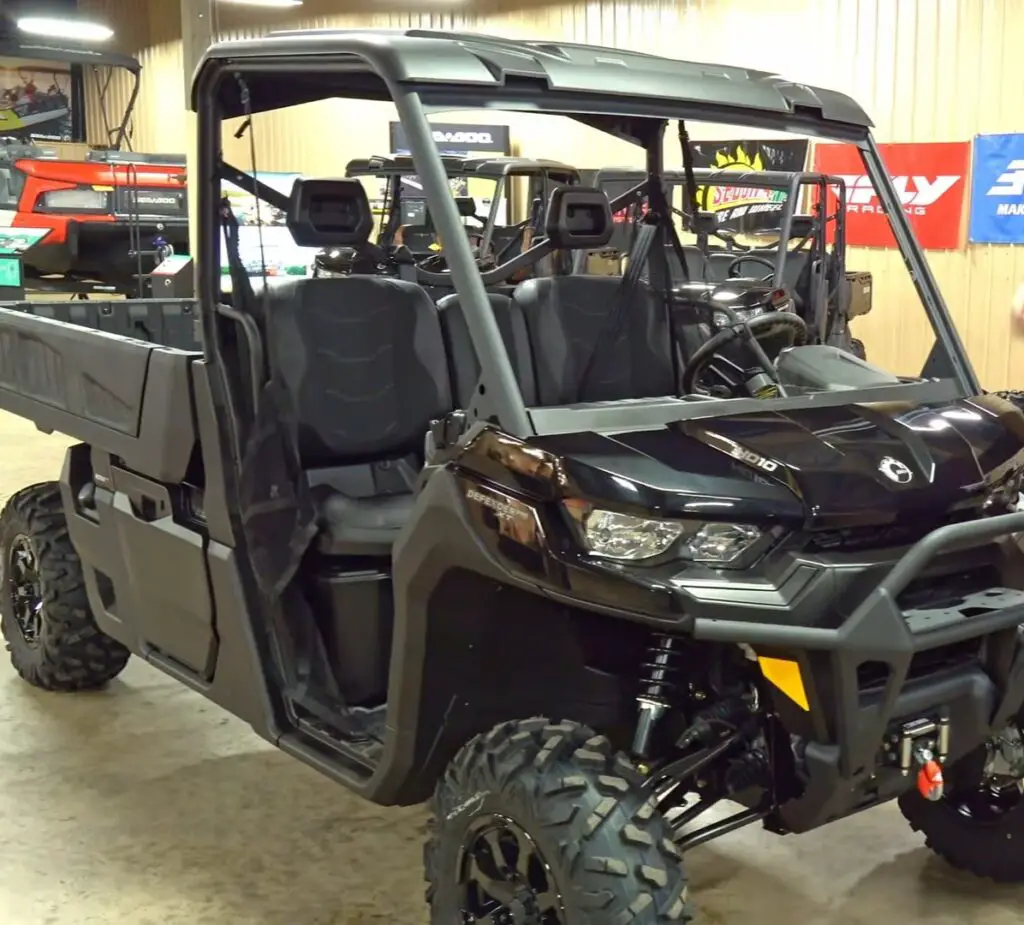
[
  {"x": 44, "y": 611},
  {"x": 978, "y": 827},
  {"x": 540, "y": 823}
]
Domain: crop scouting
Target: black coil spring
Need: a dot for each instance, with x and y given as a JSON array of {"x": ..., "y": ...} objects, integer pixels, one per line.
[{"x": 660, "y": 670}]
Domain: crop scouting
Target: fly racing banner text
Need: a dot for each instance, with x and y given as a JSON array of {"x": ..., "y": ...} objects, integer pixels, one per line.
[
  {"x": 997, "y": 190},
  {"x": 930, "y": 180},
  {"x": 740, "y": 207}
]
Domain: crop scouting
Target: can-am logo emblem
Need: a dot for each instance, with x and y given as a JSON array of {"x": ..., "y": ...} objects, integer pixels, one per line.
[
  {"x": 463, "y": 138},
  {"x": 895, "y": 471},
  {"x": 916, "y": 193}
]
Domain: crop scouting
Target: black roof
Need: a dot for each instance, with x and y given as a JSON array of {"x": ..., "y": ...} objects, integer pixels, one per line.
[
  {"x": 491, "y": 167},
  {"x": 67, "y": 54},
  {"x": 482, "y": 62}
]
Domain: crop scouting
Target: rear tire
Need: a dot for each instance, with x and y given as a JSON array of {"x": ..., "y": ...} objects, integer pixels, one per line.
[
  {"x": 605, "y": 856},
  {"x": 45, "y": 616}
]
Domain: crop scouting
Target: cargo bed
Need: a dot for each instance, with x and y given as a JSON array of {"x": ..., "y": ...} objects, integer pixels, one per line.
[{"x": 170, "y": 322}]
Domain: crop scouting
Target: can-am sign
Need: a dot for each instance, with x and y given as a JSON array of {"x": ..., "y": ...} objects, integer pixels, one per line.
[
  {"x": 463, "y": 138},
  {"x": 930, "y": 181},
  {"x": 997, "y": 190},
  {"x": 458, "y": 138}
]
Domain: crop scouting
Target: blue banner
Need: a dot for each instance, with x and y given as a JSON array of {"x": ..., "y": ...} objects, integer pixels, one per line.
[{"x": 997, "y": 190}]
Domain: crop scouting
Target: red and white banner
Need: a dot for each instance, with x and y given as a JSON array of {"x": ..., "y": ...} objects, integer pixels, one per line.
[{"x": 930, "y": 178}]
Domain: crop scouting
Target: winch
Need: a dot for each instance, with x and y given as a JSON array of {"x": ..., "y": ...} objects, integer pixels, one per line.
[{"x": 922, "y": 744}]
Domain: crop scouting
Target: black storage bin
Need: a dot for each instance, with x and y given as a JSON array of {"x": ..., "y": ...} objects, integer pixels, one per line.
[{"x": 355, "y": 610}]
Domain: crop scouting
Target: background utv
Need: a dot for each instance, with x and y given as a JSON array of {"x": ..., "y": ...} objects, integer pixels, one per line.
[{"x": 531, "y": 612}]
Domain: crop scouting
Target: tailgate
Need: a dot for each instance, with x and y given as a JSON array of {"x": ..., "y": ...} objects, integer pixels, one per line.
[{"x": 126, "y": 396}]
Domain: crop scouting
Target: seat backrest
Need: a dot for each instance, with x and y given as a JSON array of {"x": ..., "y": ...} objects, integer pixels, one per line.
[
  {"x": 717, "y": 266},
  {"x": 462, "y": 359},
  {"x": 565, "y": 320},
  {"x": 361, "y": 356},
  {"x": 567, "y": 317},
  {"x": 364, "y": 360},
  {"x": 696, "y": 264}
]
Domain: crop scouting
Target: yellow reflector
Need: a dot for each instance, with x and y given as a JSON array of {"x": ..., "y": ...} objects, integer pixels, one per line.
[
  {"x": 785, "y": 675},
  {"x": 103, "y": 189}
]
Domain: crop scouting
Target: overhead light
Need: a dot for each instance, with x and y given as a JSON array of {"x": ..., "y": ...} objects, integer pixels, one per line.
[
  {"x": 73, "y": 29},
  {"x": 274, "y": 4}
]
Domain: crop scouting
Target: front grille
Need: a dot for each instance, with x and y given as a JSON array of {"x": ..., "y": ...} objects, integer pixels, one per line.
[
  {"x": 872, "y": 676},
  {"x": 882, "y": 536}
]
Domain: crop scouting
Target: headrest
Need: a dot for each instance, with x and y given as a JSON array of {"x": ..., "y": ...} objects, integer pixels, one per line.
[
  {"x": 329, "y": 213},
  {"x": 578, "y": 217}
]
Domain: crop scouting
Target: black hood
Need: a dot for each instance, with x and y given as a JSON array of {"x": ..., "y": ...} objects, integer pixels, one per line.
[{"x": 823, "y": 467}]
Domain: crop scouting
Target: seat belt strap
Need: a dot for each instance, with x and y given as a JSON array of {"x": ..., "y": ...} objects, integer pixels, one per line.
[{"x": 619, "y": 314}]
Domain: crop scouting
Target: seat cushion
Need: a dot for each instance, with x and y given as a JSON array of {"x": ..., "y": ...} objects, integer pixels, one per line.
[{"x": 362, "y": 526}]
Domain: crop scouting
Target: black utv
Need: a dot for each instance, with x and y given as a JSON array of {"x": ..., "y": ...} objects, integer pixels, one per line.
[{"x": 492, "y": 550}]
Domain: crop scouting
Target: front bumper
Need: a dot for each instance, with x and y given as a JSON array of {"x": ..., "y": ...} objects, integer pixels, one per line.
[{"x": 853, "y": 712}]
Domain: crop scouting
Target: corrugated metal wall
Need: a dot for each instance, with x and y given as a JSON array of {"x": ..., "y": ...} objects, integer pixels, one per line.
[{"x": 927, "y": 70}]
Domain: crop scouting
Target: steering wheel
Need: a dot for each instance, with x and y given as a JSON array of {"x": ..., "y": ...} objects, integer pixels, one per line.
[
  {"x": 750, "y": 258},
  {"x": 759, "y": 328}
]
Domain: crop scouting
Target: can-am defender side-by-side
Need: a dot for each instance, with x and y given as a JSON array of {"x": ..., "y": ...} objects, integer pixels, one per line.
[
  {"x": 112, "y": 216},
  {"x": 500, "y": 549}
]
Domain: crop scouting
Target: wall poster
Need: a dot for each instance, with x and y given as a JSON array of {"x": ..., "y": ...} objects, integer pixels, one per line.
[
  {"x": 35, "y": 100},
  {"x": 738, "y": 208},
  {"x": 997, "y": 190},
  {"x": 930, "y": 178}
]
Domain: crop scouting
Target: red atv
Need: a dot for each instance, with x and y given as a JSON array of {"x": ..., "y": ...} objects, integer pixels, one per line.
[
  {"x": 111, "y": 217},
  {"x": 107, "y": 213}
]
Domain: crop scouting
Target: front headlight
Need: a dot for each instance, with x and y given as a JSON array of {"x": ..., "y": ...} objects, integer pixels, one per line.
[
  {"x": 622, "y": 536},
  {"x": 721, "y": 544},
  {"x": 721, "y": 319},
  {"x": 627, "y": 538}
]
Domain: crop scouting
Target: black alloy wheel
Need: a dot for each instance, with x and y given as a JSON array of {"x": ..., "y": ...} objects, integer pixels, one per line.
[
  {"x": 24, "y": 589},
  {"x": 504, "y": 878}
]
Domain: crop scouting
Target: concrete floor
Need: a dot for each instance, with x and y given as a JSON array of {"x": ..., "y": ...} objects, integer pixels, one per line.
[{"x": 145, "y": 805}]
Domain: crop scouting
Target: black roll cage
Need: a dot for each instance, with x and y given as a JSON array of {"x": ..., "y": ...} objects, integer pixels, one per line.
[{"x": 354, "y": 67}]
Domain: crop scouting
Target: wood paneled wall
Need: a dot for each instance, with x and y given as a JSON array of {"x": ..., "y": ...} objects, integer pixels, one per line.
[{"x": 927, "y": 70}]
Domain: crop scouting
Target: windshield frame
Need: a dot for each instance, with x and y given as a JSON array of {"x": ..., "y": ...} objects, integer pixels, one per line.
[{"x": 498, "y": 398}]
